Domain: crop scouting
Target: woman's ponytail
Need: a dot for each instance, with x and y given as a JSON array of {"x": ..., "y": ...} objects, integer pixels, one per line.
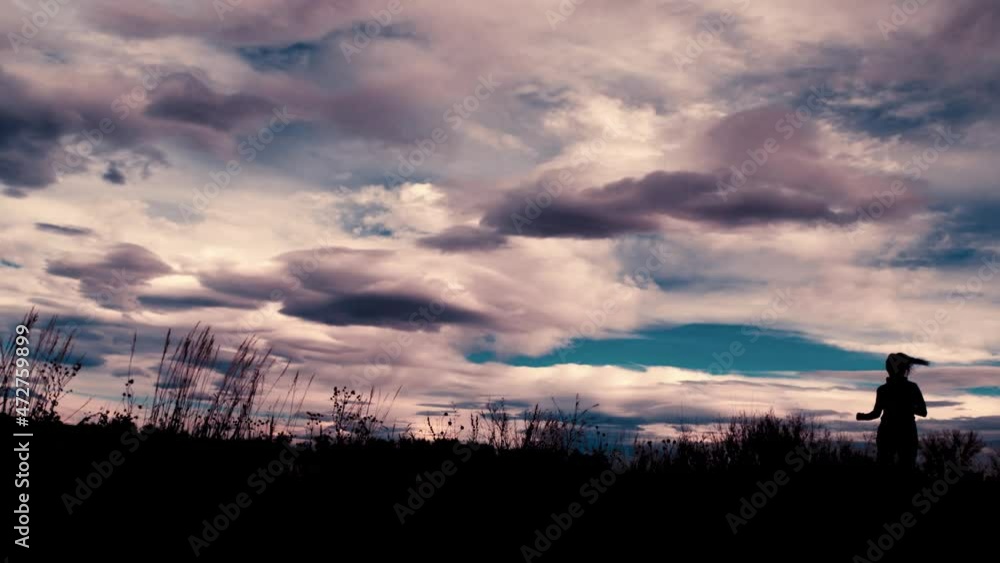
[{"x": 899, "y": 364}]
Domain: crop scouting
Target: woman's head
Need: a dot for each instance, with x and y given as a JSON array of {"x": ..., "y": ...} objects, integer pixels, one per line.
[{"x": 899, "y": 364}]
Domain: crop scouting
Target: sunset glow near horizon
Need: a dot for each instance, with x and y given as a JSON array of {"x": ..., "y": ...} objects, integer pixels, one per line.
[{"x": 678, "y": 210}]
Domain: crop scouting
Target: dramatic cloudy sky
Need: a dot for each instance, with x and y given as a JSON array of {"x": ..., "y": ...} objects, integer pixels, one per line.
[{"x": 518, "y": 198}]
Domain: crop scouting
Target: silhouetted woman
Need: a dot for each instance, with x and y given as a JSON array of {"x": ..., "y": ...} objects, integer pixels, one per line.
[{"x": 897, "y": 401}]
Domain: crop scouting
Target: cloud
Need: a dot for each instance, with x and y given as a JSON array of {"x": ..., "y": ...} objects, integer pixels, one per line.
[
  {"x": 464, "y": 239},
  {"x": 327, "y": 270},
  {"x": 341, "y": 287},
  {"x": 985, "y": 425},
  {"x": 112, "y": 279},
  {"x": 388, "y": 310},
  {"x": 762, "y": 166},
  {"x": 962, "y": 236},
  {"x": 958, "y": 46},
  {"x": 639, "y": 205},
  {"x": 113, "y": 175},
  {"x": 64, "y": 229},
  {"x": 184, "y": 98},
  {"x": 134, "y": 372},
  {"x": 185, "y": 302},
  {"x": 941, "y": 404},
  {"x": 236, "y": 23},
  {"x": 52, "y": 129},
  {"x": 29, "y": 135}
]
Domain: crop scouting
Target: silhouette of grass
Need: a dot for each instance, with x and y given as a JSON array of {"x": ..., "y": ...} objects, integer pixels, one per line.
[
  {"x": 210, "y": 423},
  {"x": 51, "y": 367},
  {"x": 197, "y": 396},
  {"x": 191, "y": 398}
]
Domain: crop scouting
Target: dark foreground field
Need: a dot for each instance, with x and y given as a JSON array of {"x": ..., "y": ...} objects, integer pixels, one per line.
[
  {"x": 101, "y": 493},
  {"x": 202, "y": 469}
]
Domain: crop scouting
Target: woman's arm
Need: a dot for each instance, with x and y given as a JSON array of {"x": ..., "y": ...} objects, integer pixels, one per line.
[
  {"x": 876, "y": 412},
  {"x": 919, "y": 406}
]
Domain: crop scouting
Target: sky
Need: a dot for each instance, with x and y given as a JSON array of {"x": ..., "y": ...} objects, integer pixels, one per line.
[{"x": 678, "y": 210}]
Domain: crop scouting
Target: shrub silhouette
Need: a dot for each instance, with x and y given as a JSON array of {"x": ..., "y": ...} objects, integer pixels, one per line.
[{"x": 941, "y": 446}]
